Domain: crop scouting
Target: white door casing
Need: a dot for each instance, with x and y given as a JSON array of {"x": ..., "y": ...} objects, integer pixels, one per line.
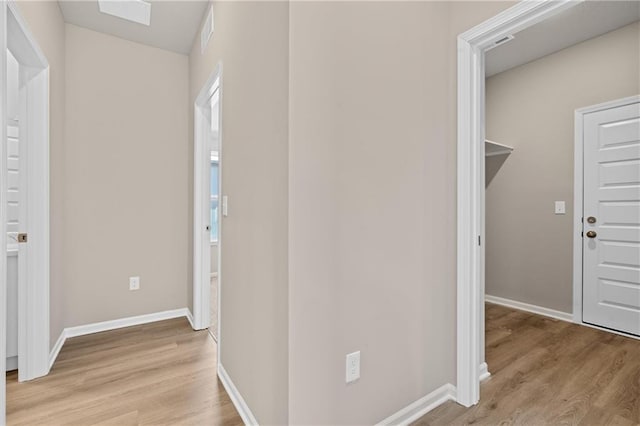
[
  {"x": 202, "y": 200},
  {"x": 33, "y": 291},
  {"x": 611, "y": 198},
  {"x": 470, "y": 181},
  {"x": 3, "y": 208}
]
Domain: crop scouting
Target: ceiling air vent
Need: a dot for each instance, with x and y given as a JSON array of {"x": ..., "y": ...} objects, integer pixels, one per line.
[
  {"x": 501, "y": 41},
  {"x": 207, "y": 30}
]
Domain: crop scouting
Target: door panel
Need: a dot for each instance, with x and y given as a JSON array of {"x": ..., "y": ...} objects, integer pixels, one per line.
[{"x": 611, "y": 259}]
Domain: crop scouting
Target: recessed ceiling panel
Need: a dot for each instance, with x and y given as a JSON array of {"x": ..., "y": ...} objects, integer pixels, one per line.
[
  {"x": 132, "y": 10},
  {"x": 174, "y": 24}
]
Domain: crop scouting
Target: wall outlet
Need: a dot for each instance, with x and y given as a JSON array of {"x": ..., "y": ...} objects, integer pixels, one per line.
[
  {"x": 353, "y": 367},
  {"x": 134, "y": 283},
  {"x": 560, "y": 207}
]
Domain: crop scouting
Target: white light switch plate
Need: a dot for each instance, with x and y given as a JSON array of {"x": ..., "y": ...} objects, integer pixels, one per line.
[
  {"x": 225, "y": 206},
  {"x": 561, "y": 207},
  {"x": 353, "y": 367}
]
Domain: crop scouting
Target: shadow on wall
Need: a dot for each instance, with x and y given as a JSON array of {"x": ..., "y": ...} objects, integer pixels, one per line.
[{"x": 492, "y": 166}]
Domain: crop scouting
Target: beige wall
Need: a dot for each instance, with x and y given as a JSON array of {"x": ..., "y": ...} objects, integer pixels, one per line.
[
  {"x": 45, "y": 22},
  {"x": 252, "y": 41},
  {"x": 368, "y": 152},
  {"x": 531, "y": 107},
  {"x": 126, "y": 174},
  {"x": 372, "y": 158}
]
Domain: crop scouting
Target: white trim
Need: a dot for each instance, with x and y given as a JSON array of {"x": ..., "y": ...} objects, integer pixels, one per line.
[
  {"x": 484, "y": 372},
  {"x": 98, "y": 327},
  {"x": 559, "y": 315},
  {"x": 578, "y": 183},
  {"x": 55, "y": 351},
  {"x": 33, "y": 288},
  {"x": 214, "y": 275},
  {"x": 534, "y": 309},
  {"x": 578, "y": 164},
  {"x": 201, "y": 200},
  {"x": 190, "y": 318},
  {"x": 238, "y": 401},
  {"x": 470, "y": 180},
  {"x": 3, "y": 210},
  {"x": 422, "y": 406}
]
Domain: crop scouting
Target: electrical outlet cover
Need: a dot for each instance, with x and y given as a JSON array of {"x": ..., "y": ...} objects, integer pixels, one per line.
[
  {"x": 134, "y": 283},
  {"x": 353, "y": 367}
]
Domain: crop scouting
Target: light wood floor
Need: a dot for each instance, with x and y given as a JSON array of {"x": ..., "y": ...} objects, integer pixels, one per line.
[
  {"x": 549, "y": 372},
  {"x": 155, "y": 374}
]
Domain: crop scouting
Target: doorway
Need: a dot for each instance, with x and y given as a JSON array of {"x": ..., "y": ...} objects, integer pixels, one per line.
[
  {"x": 208, "y": 206},
  {"x": 472, "y": 47}
]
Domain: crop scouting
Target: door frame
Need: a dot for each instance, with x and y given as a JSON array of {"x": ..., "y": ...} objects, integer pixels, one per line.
[
  {"x": 578, "y": 198},
  {"x": 201, "y": 195},
  {"x": 3, "y": 212},
  {"x": 33, "y": 292},
  {"x": 470, "y": 181}
]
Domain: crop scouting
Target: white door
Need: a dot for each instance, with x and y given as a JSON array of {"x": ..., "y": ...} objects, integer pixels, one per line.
[
  {"x": 15, "y": 218},
  {"x": 611, "y": 210}
]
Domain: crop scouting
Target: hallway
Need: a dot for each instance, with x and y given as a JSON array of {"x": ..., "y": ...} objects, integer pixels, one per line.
[{"x": 159, "y": 373}]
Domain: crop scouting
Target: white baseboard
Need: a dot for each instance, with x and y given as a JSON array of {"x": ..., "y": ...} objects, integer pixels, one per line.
[
  {"x": 53, "y": 355},
  {"x": 243, "y": 409},
  {"x": 190, "y": 318},
  {"x": 419, "y": 408},
  {"x": 564, "y": 316},
  {"x": 484, "y": 371},
  {"x": 98, "y": 327}
]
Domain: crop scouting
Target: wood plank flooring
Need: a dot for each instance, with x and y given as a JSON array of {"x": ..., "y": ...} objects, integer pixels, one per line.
[
  {"x": 550, "y": 372},
  {"x": 154, "y": 374}
]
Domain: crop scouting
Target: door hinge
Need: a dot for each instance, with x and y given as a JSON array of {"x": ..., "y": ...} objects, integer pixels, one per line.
[{"x": 479, "y": 240}]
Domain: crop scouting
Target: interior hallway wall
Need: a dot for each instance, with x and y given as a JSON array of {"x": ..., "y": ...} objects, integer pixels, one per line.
[
  {"x": 251, "y": 40},
  {"x": 127, "y": 172},
  {"x": 529, "y": 252},
  {"x": 45, "y": 22},
  {"x": 372, "y": 151}
]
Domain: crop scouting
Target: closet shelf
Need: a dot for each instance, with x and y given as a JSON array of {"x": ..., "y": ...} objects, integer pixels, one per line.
[{"x": 494, "y": 148}]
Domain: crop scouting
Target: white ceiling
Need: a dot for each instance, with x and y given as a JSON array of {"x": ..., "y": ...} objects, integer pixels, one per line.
[
  {"x": 577, "y": 24},
  {"x": 174, "y": 24}
]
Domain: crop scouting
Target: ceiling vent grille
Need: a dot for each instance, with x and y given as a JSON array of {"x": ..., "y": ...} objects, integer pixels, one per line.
[{"x": 501, "y": 41}]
